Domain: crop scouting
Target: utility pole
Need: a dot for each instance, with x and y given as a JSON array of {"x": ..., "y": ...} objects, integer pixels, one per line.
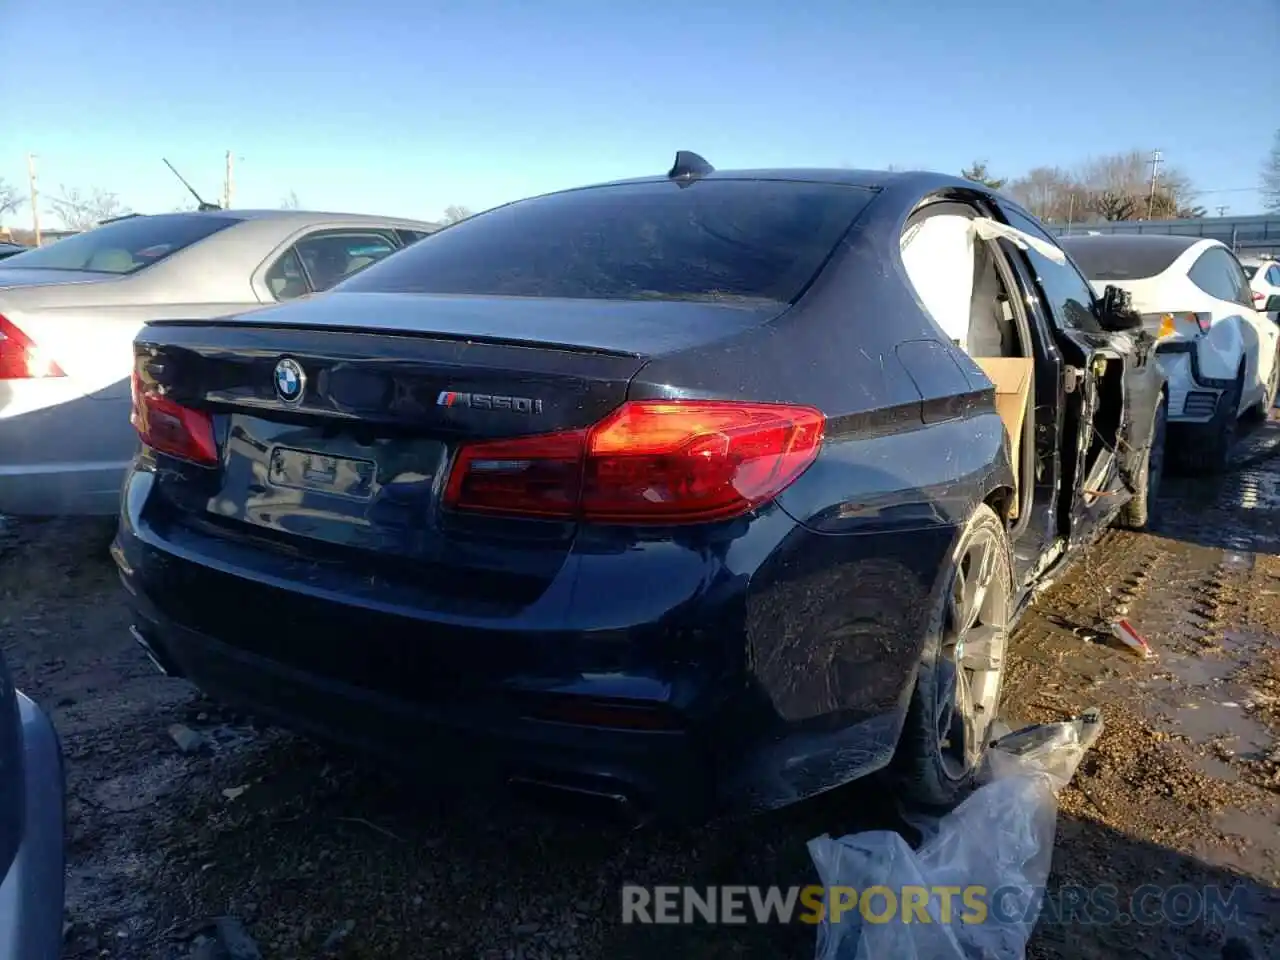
[
  {"x": 228, "y": 184},
  {"x": 1222, "y": 211},
  {"x": 1155, "y": 177},
  {"x": 35, "y": 196}
]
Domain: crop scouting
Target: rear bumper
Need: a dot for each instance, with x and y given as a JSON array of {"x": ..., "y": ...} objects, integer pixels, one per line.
[
  {"x": 71, "y": 490},
  {"x": 61, "y": 453},
  {"x": 31, "y": 893},
  {"x": 1193, "y": 395},
  {"x": 483, "y": 742},
  {"x": 776, "y": 666}
]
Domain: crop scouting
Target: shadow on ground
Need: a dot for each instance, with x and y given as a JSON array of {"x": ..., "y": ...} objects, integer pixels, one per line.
[{"x": 319, "y": 846}]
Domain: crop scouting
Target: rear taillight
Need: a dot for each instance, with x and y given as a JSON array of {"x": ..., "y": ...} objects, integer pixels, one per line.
[
  {"x": 1168, "y": 324},
  {"x": 1258, "y": 297},
  {"x": 171, "y": 428},
  {"x": 648, "y": 462},
  {"x": 20, "y": 358}
]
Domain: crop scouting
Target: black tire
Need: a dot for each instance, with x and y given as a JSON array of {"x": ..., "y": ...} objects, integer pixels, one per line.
[
  {"x": 924, "y": 771},
  {"x": 1262, "y": 409},
  {"x": 1206, "y": 450},
  {"x": 1147, "y": 473}
]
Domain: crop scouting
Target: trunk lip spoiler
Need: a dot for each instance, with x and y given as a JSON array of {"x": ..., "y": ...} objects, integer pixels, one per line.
[{"x": 489, "y": 339}]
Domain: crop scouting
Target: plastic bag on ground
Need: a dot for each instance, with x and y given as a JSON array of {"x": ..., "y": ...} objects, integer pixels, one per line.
[{"x": 996, "y": 845}]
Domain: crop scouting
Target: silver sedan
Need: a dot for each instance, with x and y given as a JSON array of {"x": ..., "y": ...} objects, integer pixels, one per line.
[{"x": 69, "y": 312}]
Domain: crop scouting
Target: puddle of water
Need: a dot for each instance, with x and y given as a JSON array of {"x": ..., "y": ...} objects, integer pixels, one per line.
[
  {"x": 1253, "y": 490},
  {"x": 1203, "y": 720},
  {"x": 1259, "y": 828},
  {"x": 1195, "y": 695},
  {"x": 1214, "y": 767},
  {"x": 1205, "y": 671}
]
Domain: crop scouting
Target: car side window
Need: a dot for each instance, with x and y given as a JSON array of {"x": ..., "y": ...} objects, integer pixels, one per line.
[
  {"x": 1244, "y": 292},
  {"x": 285, "y": 279},
  {"x": 1273, "y": 276},
  {"x": 1218, "y": 274},
  {"x": 410, "y": 237},
  {"x": 330, "y": 258},
  {"x": 1066, "y": 292}
]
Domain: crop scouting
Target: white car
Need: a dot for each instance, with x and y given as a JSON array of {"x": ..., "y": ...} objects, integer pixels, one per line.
[
  {"x": 1264, "y": 279},
  {"x": 69, "y": 312},
  {"x": 1217, "y": 350}
]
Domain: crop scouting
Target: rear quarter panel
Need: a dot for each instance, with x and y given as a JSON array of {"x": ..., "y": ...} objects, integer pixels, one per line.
[{"x": 836, "y": 629}]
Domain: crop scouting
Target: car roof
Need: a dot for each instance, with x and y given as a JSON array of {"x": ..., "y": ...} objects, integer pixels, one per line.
[
  {"x": 299, "y": 218},
  {"x": 1163, "y": 243},
  {"x": 1131, "y": 256},
  {"x": 920, "y": 180}
]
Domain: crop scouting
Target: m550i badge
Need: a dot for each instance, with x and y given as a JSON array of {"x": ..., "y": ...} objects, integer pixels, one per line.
[{"x": 488, "y": 401}]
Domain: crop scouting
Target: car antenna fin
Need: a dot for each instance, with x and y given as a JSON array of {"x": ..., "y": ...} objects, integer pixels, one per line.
[{"x": 688, "y": 167}]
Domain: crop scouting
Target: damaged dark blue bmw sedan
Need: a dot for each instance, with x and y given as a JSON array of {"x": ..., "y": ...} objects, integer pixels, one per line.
[{"x": 693, "y": 494}]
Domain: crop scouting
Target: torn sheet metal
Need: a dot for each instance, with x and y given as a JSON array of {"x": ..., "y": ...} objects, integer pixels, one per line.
[{"x": 988, "y": 229}]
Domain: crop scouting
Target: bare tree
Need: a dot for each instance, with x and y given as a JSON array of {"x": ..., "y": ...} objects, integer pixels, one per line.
[
  {"x": 79, "y": 210},
  {"x": 1118, "y": 187},
  {"x": 1114, "y": 205},
  {"x": 453, "y": 213},
  {"x": 1050, "y": 193},
  {"x": 290, "y": 202},
  {"x": 977, "y": 172},
  {"x": 10, "y": 199},
  {"x": 1271, "y": 177}
]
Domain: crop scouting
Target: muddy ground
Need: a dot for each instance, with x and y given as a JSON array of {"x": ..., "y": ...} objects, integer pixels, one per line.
[{"x": 318, "y": 854}]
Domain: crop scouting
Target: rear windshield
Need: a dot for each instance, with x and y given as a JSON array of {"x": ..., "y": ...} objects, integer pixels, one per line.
[
  {"x": 732, "y": 240},
  {"x": 1249, "y": 270},
  {"x": 1124, "y": 258},
  {"x": 124, "y": 246}
]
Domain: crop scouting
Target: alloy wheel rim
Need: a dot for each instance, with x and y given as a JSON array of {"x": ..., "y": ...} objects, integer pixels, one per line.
[{"x": 971, "y": 657}]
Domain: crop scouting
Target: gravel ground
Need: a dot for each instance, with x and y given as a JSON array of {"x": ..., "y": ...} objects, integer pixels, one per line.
[{"x": 183, "y": 817}]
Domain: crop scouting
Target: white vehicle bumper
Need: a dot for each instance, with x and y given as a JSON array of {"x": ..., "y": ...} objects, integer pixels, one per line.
[
  {"x": 1194, "y": 391},
  {"x": 61, "y": 453}
]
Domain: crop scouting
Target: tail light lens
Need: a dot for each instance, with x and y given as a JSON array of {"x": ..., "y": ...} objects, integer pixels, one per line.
[
  {"x": 171, "y": 428},
  {"x": 648, "y": 462},
  {"x": 1258, "y": 297},
  {"x": 1169, "y": 323},
  {"x": 20, "y": 358}
]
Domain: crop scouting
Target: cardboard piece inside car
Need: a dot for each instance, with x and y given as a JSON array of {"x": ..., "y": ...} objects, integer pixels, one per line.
[{"x": 1012, "y": 379}]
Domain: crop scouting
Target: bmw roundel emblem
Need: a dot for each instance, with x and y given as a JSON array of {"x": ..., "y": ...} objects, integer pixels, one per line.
[{"x": 290, "y": 380}]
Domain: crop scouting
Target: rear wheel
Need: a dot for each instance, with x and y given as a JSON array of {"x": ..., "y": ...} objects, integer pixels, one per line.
[
  {"x": 1147, "y": 474},
  {"x": 957, "y": 692},
  {"x": 1206, "y": 449},
  {"x": 1262, "y": 409}
]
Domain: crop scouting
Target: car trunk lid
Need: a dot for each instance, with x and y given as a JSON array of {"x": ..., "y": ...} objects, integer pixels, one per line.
[{"x": 353, "y": 466}]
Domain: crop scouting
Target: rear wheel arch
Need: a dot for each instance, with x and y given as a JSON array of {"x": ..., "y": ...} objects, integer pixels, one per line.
[{"x": 1001, "y": 500}]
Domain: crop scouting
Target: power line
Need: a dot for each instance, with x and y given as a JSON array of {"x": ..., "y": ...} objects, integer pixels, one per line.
[{"x": 1197, "y": 193}]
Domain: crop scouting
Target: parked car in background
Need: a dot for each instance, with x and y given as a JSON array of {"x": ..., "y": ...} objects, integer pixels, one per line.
[
  {"x": 1217, "y": 349},
  {"x": 707, "y": 490},
  {"x": 32, "y": 861},
  {"x": 11, "y": 249},
  {"x": 1264, "y": 280},
  {"x": 69, "y": 313}
]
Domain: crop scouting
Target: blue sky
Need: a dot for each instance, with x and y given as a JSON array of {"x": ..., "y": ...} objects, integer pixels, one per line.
[{"x": 401, "y": 107}]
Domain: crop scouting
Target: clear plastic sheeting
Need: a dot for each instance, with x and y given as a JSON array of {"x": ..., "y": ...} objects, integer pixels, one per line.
[
  {"x": 989, "y": 229},
  {"x": 997, "y": 845}
]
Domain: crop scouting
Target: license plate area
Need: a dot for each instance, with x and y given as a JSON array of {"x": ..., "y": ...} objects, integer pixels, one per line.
[{"x": 297, "y": 469}]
